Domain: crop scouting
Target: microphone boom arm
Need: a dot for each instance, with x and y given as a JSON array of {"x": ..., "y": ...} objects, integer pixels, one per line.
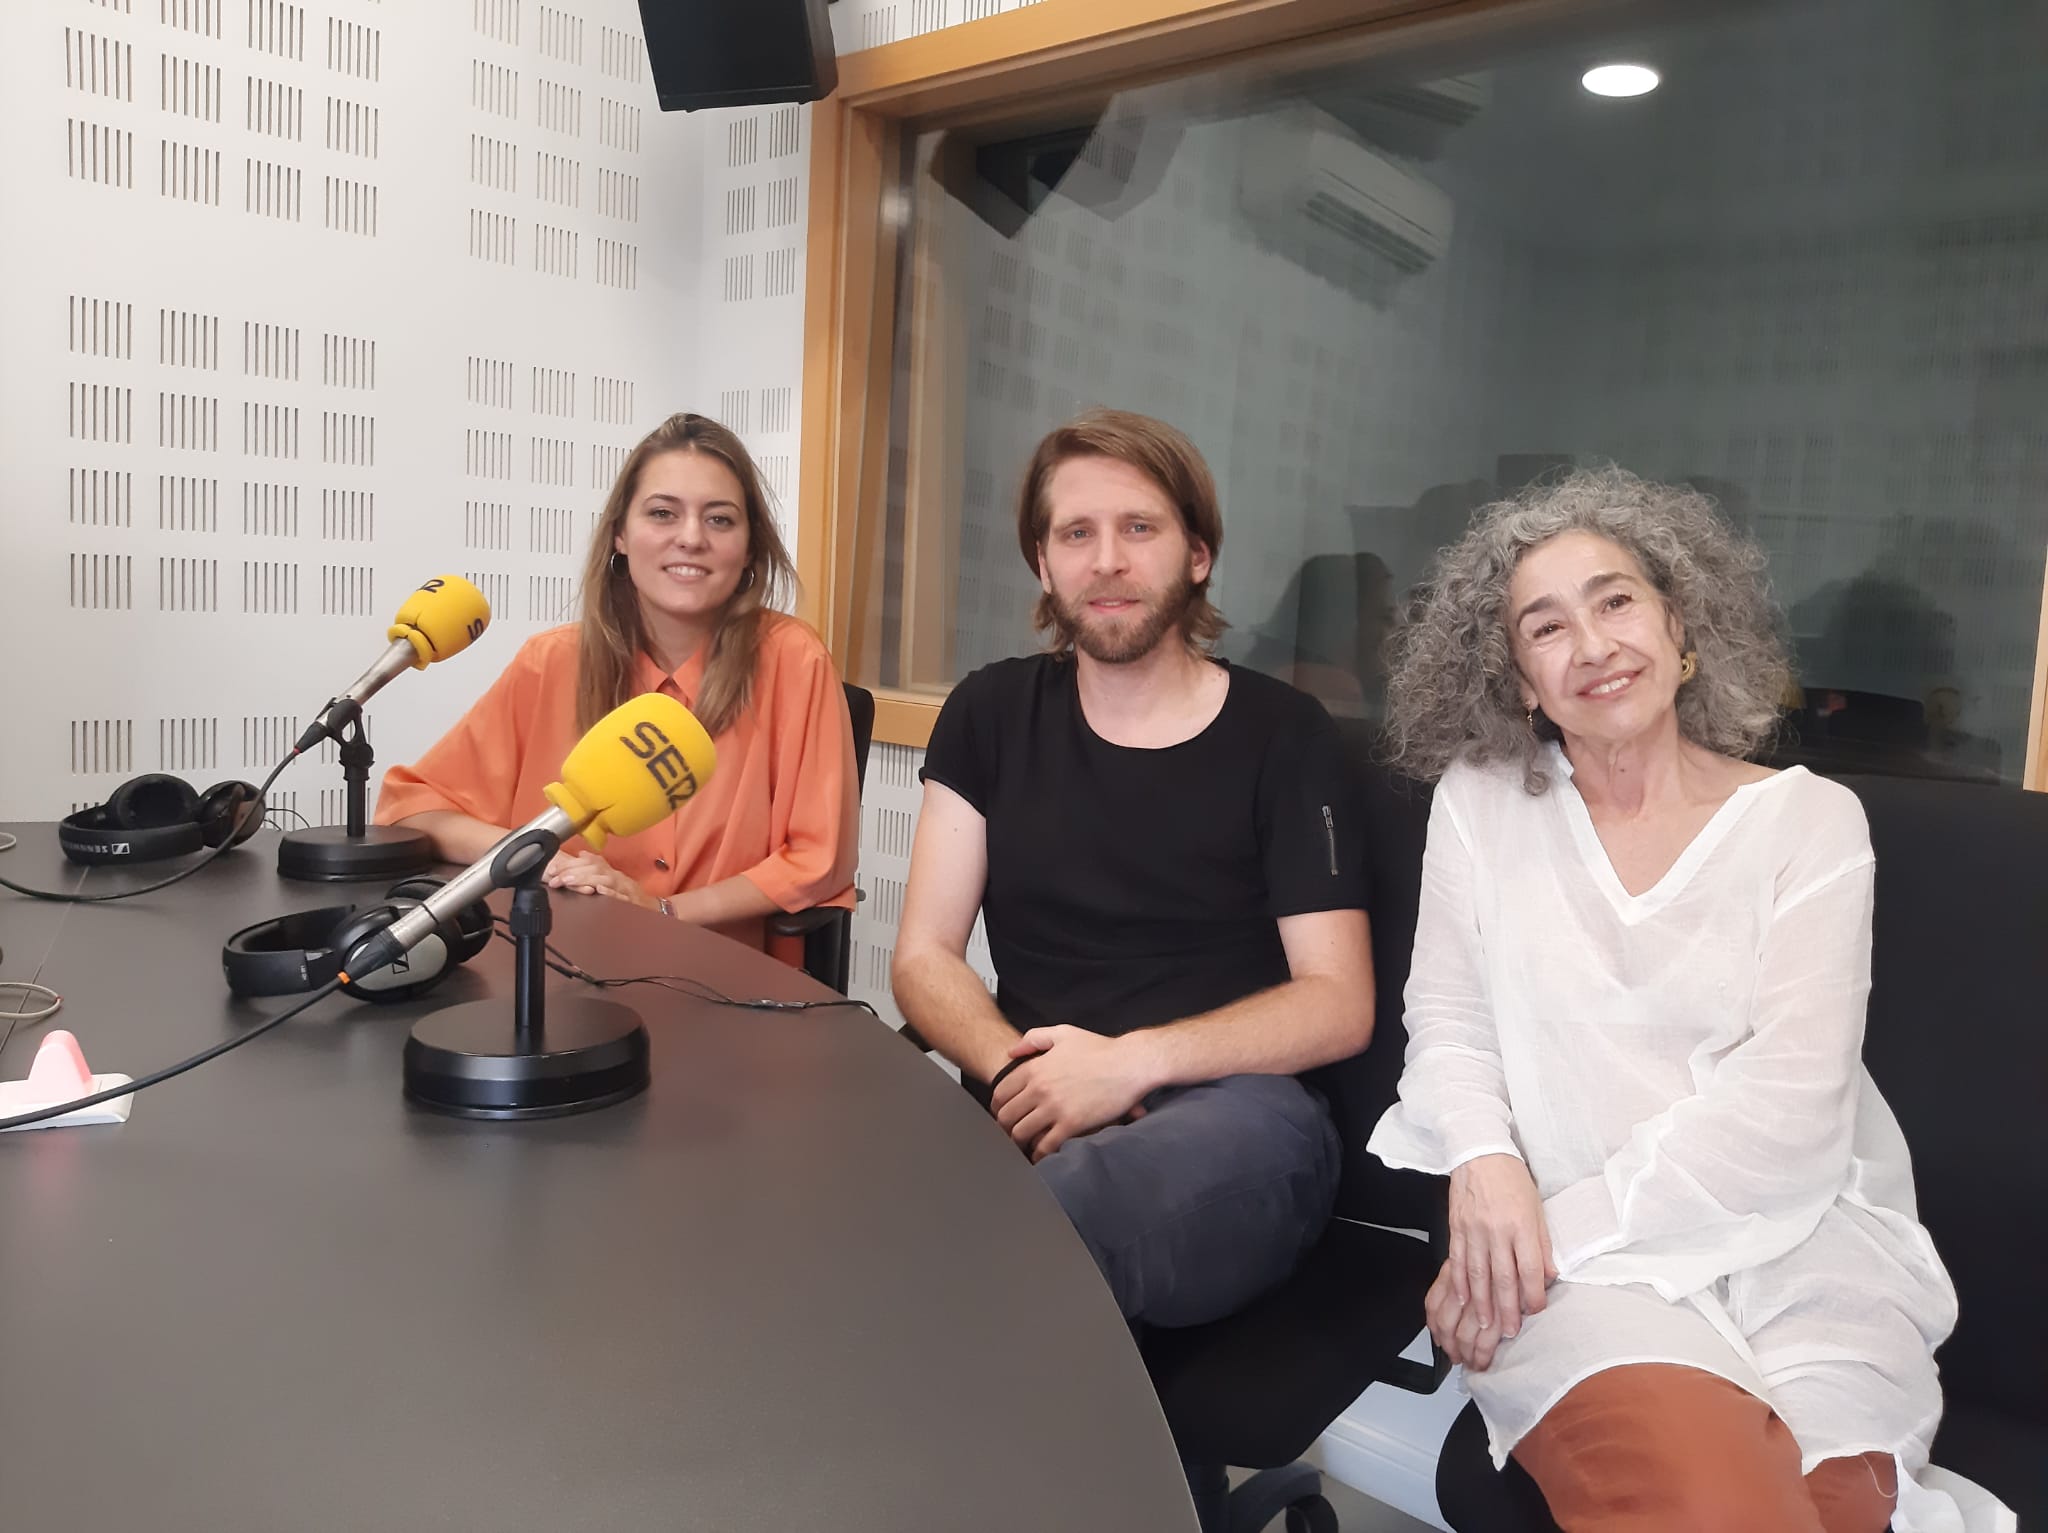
[
  {"x": 348, "y": 708},
  {"x": 520, "y": 858}
]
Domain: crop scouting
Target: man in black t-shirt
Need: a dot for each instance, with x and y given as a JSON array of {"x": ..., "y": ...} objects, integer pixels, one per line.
[{"x": 1167, "y": 855}]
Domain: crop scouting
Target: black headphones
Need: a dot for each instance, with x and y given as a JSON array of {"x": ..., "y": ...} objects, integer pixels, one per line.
[
  {"x": 304, "y": 950},
  {"x": 150, "y": 818}
]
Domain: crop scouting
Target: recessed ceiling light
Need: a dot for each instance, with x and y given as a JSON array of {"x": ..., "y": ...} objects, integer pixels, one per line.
[{"x": 1620, "y": 80}]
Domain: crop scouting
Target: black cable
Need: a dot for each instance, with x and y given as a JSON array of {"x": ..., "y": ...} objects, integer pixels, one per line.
[
  {"x": 304, "y": 823},
  {"x": 560, "y": 962},
  {"x": 163, "y": 883},
  {"x": 568, "y": 968},
  {"x": 168, "y": 1071}
]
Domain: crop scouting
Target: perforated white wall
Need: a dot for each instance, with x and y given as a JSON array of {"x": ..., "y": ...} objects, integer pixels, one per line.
[
  {"x": 889, "y": 804},
  {"x": 746, "y": 328},
  {"x": 870, "y": 23},
  {"x": 299, "y": 305}
]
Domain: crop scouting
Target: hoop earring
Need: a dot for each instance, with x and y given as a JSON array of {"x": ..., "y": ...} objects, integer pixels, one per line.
[
  {"x": 746, "y": 582},
  {"x": 1688, "y": 666},
  {"x": 618, "y": 562}
]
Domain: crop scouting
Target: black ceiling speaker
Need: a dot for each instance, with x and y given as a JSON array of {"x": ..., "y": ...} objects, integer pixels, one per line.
[{"x": 739, "y": 52}]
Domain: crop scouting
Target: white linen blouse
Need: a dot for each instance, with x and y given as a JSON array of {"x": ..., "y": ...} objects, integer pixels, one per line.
[{"x": 1682, "y": 1072}]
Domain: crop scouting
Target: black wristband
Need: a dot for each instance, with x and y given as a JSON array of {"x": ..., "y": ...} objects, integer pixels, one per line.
[{"x": 997, "y": 1079}]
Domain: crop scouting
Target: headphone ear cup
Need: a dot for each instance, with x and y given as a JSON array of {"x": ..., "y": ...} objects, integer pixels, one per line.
[
  {"x": 223, "y": 814},
  {"x": 151, "y": 802},
  {"x": 473, "y": 931},
  {"x": 467, "y": 935},
  {"x": 415, "y": 974}
]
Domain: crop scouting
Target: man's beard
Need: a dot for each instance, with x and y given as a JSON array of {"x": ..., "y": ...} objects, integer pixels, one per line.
[{"x": 1131, "y": 639}]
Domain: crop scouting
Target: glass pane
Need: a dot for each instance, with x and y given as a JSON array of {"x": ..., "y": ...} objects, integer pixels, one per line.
[{"x": 1807, "y": 273}]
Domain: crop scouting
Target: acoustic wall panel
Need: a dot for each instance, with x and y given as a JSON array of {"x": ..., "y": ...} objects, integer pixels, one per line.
[{"x": 345, "y": 294}]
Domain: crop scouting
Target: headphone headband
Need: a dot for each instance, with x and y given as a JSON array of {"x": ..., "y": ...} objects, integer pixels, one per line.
[
  {"x": 91, "y": 837},
  {"x": 155, "y": 816},
  {"x": 303, "y": 950},
  {"x": 285, "y": 954}
]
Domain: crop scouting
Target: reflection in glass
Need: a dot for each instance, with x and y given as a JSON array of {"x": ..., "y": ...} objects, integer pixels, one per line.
[{"x": 1808, "y": 273}]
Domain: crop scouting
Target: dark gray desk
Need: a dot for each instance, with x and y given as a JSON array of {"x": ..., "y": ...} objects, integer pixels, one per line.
[
  {"x": 799, "y": 1284},
  {"x": 28, "y": 928}
]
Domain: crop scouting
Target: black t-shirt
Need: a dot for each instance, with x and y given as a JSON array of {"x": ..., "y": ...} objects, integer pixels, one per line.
[{"x": 1128, "y": 888}]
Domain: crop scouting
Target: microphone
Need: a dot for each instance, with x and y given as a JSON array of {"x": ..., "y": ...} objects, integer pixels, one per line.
[
  {"x": 442, "y": 618},
  {"x": 636, "y": 766}
]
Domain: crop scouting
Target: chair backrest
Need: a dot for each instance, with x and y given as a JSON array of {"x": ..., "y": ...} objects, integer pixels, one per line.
[
  {"x": 828, "y": 934},
  {"x": 1958, "y": 1043},
  {"x": 860, "y": 707},
  {"x": 1361, "y": 1089}
]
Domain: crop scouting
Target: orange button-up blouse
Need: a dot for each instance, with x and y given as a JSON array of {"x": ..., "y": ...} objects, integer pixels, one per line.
[{"x": 782, "y": 808}]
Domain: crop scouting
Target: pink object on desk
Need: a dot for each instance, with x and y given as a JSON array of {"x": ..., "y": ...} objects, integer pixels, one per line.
[
  {"x": 60, "y": 1074},
  {"x": 59, "y": 1069}
]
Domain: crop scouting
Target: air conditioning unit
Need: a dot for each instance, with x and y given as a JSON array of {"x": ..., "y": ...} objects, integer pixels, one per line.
[
  {"x": 1307, "y": 181},
  {"x": 1415, "y": 120}
]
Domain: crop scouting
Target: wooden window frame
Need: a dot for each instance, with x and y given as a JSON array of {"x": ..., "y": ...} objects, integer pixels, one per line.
[
  {"x": 1050, "y": 54},
  {"x": 2037, "y": 718}
]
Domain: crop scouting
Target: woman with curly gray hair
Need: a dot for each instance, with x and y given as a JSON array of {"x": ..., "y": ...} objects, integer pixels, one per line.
[{"x": 1686, "y": 1280}]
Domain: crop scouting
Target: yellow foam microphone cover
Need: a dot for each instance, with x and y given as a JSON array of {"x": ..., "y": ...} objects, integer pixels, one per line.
[
  {"x": 442, "y": 618},
  {"x": 636, "y": 766}
]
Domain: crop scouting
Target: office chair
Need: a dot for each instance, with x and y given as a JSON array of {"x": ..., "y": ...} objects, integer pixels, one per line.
[
  {"x": 827, "y": 930},
  {"x": 1257, "y": 1388}
]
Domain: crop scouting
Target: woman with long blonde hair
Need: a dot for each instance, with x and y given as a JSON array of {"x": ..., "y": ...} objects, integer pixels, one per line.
[{"x": 680, "y": 594}]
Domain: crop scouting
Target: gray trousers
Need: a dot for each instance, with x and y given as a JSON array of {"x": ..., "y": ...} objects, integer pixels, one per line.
[{"x": 1207, "y": 1201}]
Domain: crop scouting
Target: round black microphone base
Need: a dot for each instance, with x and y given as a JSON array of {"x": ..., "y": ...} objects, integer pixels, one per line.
[
  {"x": 329, "y": 854},
  {"x": 469, "y": 1060}
]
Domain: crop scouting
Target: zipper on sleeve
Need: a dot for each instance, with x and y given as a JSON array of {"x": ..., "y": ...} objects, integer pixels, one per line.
[{"x": 1330, "y": 833}]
